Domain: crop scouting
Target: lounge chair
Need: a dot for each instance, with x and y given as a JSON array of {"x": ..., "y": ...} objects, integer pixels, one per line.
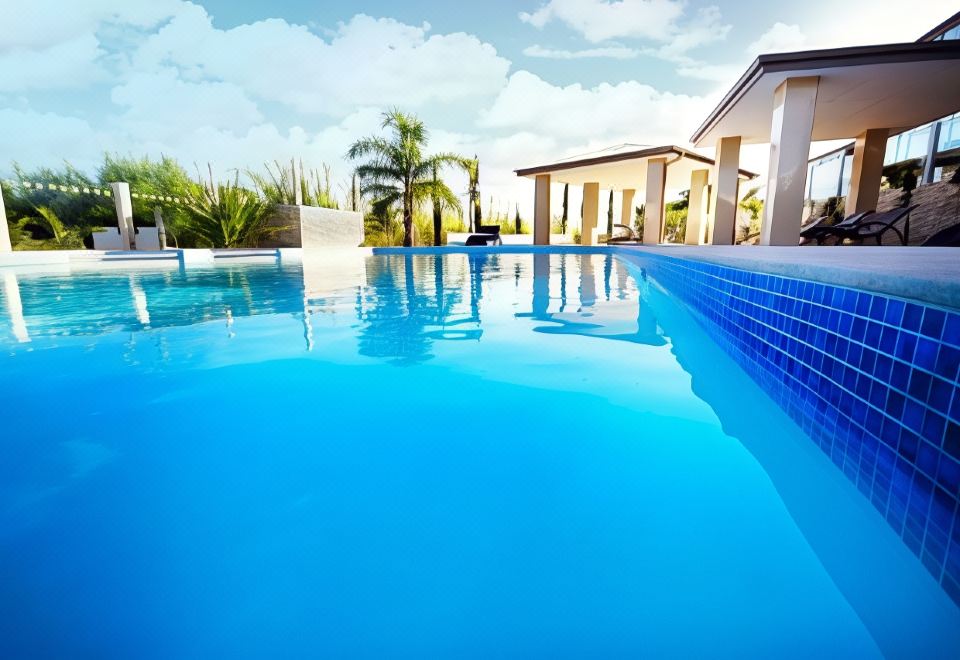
[
  {"x": 818, "y": 229},
  {"x": 870, "y": 225},
  {"x": 486, "y": 235},
  {"x": 623, "y": 234},
  {"x": 949, "y": 237}
]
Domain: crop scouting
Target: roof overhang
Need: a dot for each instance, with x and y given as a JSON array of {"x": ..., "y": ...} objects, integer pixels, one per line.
[
  {"x": 896, "y": 86},
  {"x": 627, "y": 170}
]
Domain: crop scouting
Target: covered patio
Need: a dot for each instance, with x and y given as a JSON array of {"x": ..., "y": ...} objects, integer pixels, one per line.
[
  {"x": 641, "y": 176},
  {"x": 790, "y": 100}
]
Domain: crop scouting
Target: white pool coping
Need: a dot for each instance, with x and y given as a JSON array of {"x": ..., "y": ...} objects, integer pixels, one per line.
[{"x": 930, "y": 275}]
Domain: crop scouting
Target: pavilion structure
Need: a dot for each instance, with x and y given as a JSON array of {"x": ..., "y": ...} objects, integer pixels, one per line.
[{"x": 641, "y": 176}]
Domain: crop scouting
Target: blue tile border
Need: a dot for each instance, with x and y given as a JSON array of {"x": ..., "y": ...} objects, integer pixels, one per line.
[{"x": 871, "y": 379}]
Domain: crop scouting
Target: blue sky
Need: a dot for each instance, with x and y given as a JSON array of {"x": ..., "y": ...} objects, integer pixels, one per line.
[{"x": 238, "y": 83}]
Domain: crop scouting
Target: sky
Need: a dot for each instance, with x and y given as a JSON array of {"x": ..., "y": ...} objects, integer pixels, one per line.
[{"x": 236, "y": 83}]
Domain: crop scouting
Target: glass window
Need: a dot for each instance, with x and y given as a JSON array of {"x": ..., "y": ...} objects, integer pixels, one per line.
[
  {"x": 824, "y": 178},
  {"x": 949, "y": 133}
]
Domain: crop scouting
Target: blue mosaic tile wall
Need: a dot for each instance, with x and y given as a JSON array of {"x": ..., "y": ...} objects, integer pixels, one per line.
[{"x": 871, "y": 379}]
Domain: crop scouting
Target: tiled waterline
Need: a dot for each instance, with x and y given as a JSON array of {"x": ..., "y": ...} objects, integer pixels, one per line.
[{"x": 872, "y": 379}]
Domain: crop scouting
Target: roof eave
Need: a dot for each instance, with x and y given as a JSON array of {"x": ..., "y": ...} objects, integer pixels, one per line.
[{"x": 828, "y": 58}]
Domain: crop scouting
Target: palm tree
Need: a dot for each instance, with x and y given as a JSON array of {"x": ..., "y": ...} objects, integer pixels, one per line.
[
  {"x": 397, "y": 170},
  {"x": 473, "y": 171},
  {"x": 439, "y": 203}
]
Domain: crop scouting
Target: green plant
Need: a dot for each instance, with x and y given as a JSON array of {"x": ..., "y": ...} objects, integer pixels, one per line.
[
  {"x": 398, "y": 171},
  {"x": 226, "y": 215},
  {"x": 752, "y": 206},
  {"x": 153, "y": 184},
  {"x": 279, "y": 185},
  {"x": 675, "y": 218},
  {"x": 640, "y": 213},
  {"x": 72, "y": 208}
]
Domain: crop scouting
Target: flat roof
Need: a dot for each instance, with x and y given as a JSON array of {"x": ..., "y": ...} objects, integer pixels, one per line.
[
  {"x": 626, "y": 169},
  {"x": 895, "y": 86}
]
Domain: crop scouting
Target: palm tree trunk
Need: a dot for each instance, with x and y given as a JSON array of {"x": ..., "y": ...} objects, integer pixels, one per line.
[
  {"x": 610, "y": 214},
  {"x": 407, "y": 221},
  {"x": 437, "y": 221},
  {"x": 566, "y": 199}
]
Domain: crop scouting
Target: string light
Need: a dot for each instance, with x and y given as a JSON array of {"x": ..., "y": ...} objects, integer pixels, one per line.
[{"x": 86, "y": 190}]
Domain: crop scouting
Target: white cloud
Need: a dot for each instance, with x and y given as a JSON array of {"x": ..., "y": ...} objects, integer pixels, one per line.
[
  {"x": 36, "y": 138},
  {"x": 599, "y": 20},
  {"x": 41, "y": 23},
  {"x": 65, "y": 65},
  {"x": 390, "y": 63},
  {"x": 625, "y": 112},
  {"x": 780, "y": 38},
  {"x": 706, "y": 28},
  {"x": 161, "y": 104},
  {"x": 611, "y": 52}
]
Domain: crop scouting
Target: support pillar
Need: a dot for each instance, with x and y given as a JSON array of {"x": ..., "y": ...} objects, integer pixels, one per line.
[
  {"x": 626, "y": 210},
  {"x": 14, "y": 305},
  {"x": 588, "y": 282},
  {"x": 794, "y": 103},
  {"x": 591, "y": 212},
  {"x": 723, "y": 202},
  {"x": 697, "y": 208},
  {"x": 867, "y": 170},
  {"x": 541, "y": 210},
  {"x": 655, "y": 202},
  {"x": 124, "y": 206},
  {"x": 5, "y": 245}
]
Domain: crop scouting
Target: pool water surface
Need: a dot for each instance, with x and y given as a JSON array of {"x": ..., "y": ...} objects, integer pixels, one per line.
[{"x": 506, "y": 455}]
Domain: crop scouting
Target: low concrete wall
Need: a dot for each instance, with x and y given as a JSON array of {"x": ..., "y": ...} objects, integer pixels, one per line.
[{"x": 312, "y": 227}]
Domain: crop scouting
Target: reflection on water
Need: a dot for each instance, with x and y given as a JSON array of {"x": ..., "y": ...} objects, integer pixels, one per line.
[
  {"x": 401, "y": 305},
  {"x": 252, "y": 442}
]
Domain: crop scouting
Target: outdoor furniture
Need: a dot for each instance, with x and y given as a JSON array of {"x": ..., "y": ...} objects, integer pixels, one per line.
[
  {"x": 623, "y": 234},
  {"x": 486, "y": 235},
  {"x": 870, "y": 225},
  {"x": 876, "y": 225},
  {"x": 818, "y": 229},
  {"x": 949, "y": 237}
]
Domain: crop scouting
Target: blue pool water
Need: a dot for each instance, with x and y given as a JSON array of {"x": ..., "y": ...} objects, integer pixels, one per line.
[{"x": 508, "y": 455}]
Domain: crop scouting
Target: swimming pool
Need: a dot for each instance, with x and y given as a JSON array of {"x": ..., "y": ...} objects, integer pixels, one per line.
[{"x": 511, "y": 454}]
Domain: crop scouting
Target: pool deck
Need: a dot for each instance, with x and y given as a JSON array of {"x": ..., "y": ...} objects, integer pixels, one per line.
[{"x": 930, "y": 275}]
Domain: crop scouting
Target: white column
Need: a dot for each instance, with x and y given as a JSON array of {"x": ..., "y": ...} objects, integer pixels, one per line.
[
  {"x": 626, "y": 208},
  {"x": 794, "y": 103},
  {"x": 656, "y": 192},
  {"x": 5, "y": 245},
  {"x": 697, "y": 208},
  {"x": 723, "y": 202},
  {"x": 588, "y": 281},
  {"x": 124, "y": 206},
  {"x": 541, "y": 210},
  {"x": 867, "y": 170},
  {"x": 591, "y": 211},
  {"x": 161, "y": 229}
]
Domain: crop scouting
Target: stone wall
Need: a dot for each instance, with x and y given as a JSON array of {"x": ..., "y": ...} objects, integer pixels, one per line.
[
  {"x": 938, "y": 206},
  {"x": 313, "y": 227}
]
